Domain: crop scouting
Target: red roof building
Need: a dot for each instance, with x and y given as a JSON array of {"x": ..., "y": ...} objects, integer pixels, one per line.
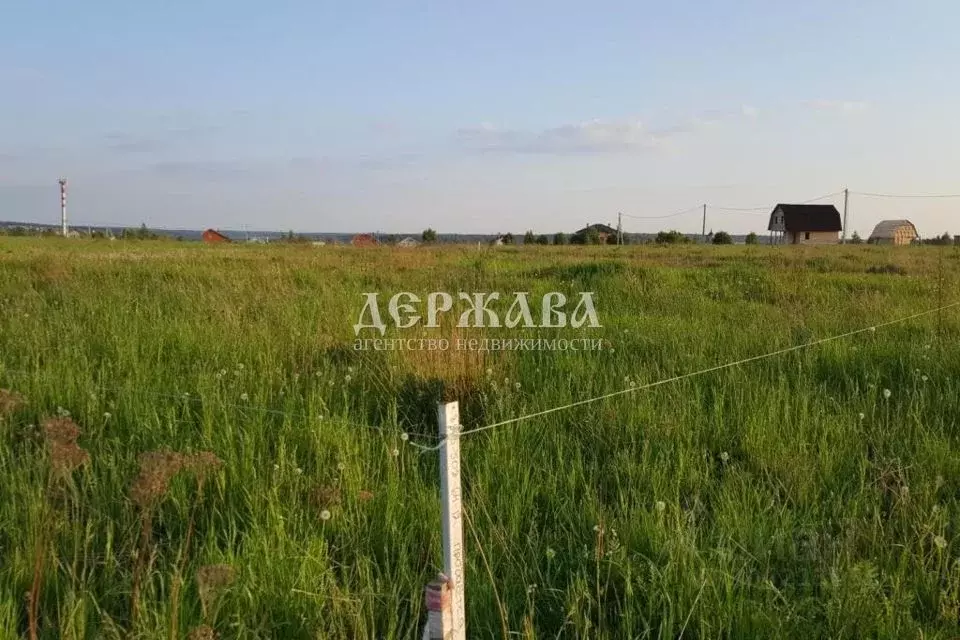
[
  {"x": 364, "y": 240},
  {"x": 211, "y": 236}
]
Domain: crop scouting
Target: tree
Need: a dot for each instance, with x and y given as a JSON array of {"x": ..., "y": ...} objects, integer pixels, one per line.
[
  {"x": 722, "y": 237},
  {"x": 429, "y": 236},
  {"x": 560, "y": 238},
  {"x": 507, "y": 238},
  {"x": 856, "y": 239},
  {"x": 752, "y": 238},
  {"x": 529, "y": 238},
  {"x": 542, "y": 239},
  {"x": 671, "y": 237}
]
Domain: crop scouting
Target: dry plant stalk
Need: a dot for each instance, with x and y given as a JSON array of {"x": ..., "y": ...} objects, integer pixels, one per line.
[
  {"x": 157, "y": 469},
  {"x": 212, "y": 580},
  {"x": 10, "y": 401},
  {"x": 202, "y": 465},
  {"x": 61, "y": 435}
]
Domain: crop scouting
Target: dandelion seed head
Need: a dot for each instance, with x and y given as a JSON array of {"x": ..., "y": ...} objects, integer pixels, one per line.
[
  {"x": 862, "y": 415},
  {"x": 347, "y": 378},
  {"x": 325, "y": 515},
  {"x": 551, "y": 554},
  {"x": 395, "y": 453},
  {"x": 341, "y": 467},
  {"x": 886, "y": 394},
  {"x": 244, "y": 397},
  {"x": 516, "y": 385},
  {"x": 661, "y": 506},
  {"x": 404, "y": 436},
  {"x": 724, "y": 457},
  {"x": 107, "y": 415},
  {"x": 941, "y": 542},
  {"x": 924, "y": 378},
  {"x": 299, "y": 471}
]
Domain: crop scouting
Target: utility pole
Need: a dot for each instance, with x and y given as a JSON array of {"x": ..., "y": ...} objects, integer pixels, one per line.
[
  {"x": 619, "y": 227},
  {"x": 63, "y": 207},
  {"x": 846, "y": 198},
  {"x": 704, "y": 232}
]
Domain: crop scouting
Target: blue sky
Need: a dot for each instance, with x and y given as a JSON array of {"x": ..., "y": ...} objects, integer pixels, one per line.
[{"x": 476, "y": 117}]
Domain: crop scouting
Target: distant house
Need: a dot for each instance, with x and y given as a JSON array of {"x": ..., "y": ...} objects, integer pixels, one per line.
[
  {"x": 408, "y": 242},
  {"x": 894, "y": 232},
  {"x": 805, "y": 224},
  {"x": 319, "y": 243},
  {"x": 364, "y": 240},
  {"x": 497, "y": 242},
  {"x": 603, "y": 231},
  {"x": 210, "y": 236}
]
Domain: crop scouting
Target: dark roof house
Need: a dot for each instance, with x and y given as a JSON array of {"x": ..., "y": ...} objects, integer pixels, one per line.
[
  {"x": 805, "y": 224},
  {"x": 604, "y": 232}
]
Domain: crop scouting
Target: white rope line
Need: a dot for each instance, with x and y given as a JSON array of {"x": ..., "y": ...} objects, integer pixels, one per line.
[{"x": 685, "y": 376}]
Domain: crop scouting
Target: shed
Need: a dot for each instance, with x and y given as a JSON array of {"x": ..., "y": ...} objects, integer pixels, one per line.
[
  {"x": 408, "y": 242},
  {"x": 211, "y": 236},
  {"x": 364, "y": 240},
  {"x": 894, "y": 232},
  {"x": 805, "y": 224}
]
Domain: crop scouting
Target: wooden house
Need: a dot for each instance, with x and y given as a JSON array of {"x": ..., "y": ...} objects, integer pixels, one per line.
[{"x": 894, "y": 232}]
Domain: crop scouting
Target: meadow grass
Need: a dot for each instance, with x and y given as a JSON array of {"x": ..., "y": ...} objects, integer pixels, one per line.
[{"x": 787, "y": 497}]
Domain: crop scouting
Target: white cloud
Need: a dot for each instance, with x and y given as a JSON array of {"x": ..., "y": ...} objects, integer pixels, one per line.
[
  {"x": 592, "y": 136},
  {"x": 844, "y": 106}
]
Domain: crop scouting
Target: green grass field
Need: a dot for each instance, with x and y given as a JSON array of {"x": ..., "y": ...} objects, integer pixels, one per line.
[{"x": 787, "y": 497}]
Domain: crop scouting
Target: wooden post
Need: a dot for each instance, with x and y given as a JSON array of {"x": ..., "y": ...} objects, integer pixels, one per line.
[{"x": 449, "y": 593}]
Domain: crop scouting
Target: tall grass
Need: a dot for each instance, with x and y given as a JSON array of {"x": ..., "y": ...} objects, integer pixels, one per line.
[{"x": 785, "y": 498}]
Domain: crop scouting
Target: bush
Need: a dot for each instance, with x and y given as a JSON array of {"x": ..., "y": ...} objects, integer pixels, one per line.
[
  {"x": 429, "y": 235},
  {"x": 888, "y": 269},
  {"x": 542, "y": 239},
  {"x": 560, "y": 238},
  {"x": 722, "y": 237},
  {"x": 507, "y": 238},
  {"x": 529, "y": 238},
  {"x": 752, "y": 238}
]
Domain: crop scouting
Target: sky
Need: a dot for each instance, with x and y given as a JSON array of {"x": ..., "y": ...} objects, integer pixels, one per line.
[{"x": 473, "y": 117}]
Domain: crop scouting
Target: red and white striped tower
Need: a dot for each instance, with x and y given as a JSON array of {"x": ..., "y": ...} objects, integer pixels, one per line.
[{"x": 63, "y": 207}]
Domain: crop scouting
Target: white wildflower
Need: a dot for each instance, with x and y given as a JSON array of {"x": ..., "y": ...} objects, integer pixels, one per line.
[
  {"x": 107, "y": 415},
  {"x": 244, "y": 397},
  {"x": 489, "y": 372},
  {"x": 516, "y": 386},
  {"x": 325, "y": 515},
  {"x": 924, "y": 378},
  {"x": 347, "y": 378},
  {"x": 341, "y": 467},
  {"x": 724, "y": 457},
  {"x": 886, "y": 394},
  {"x": 862, "y": 415},
  {"x": 661, "y": 506},
  {"x": 395, "y": 453},
  {"x": 551, "y": 554},
  {"x": 941, "y": 542},
  {"x": 299, "y": 471}
]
